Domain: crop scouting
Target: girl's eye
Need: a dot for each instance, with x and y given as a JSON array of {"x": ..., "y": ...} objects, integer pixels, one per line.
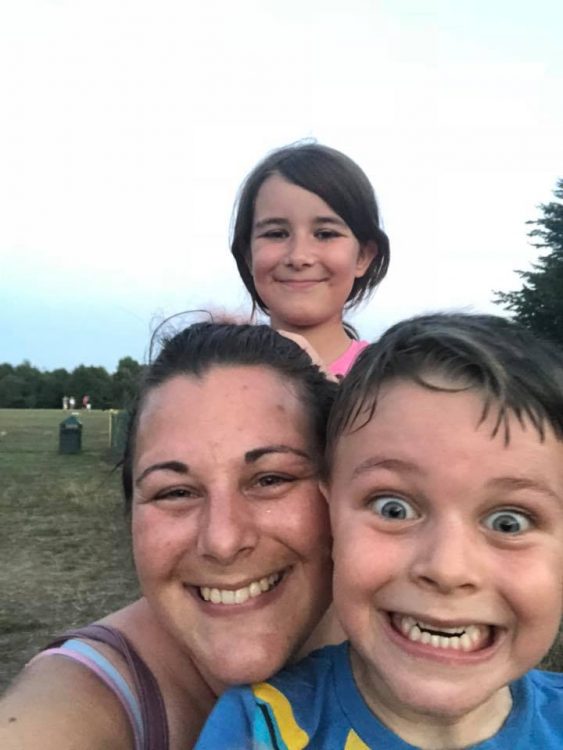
[
  {"x": 508, "y": 521},
  {"x": 274, "y": 234},
  {"x": 393, "y": 508},
  {"x": 326, "y": 234}
]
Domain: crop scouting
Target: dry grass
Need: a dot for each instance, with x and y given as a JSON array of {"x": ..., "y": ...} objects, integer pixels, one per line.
[{"x": 65, "y": 555}]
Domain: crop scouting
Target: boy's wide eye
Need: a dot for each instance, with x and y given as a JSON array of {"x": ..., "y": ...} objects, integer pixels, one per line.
[
  {"x": 508, "y": 521},
  {"x": 393, "y": 508}
]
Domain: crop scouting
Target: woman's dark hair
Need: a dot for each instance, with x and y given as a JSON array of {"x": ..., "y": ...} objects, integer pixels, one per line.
[
  {"x": 514, "y": 371},
  {"x": 202, "y": 346},
  {"x": 340, "y": 183}
]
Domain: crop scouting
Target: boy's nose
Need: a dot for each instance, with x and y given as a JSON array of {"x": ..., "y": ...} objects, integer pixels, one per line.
[{"x": 447, "y": 558}]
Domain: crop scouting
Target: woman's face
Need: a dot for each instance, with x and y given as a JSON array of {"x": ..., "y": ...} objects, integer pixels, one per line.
[{"x": 230, "y": 532}]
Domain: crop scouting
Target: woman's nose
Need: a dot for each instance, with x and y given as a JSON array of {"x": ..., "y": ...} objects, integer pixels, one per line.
[
  {"x": 228, "y": 527},
  {"x": 447, "y": 558}
]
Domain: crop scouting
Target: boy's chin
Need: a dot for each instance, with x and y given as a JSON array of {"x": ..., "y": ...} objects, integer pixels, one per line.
[
  {"x": 432, "y": 698},
  {"x": 448, "y": 703}
]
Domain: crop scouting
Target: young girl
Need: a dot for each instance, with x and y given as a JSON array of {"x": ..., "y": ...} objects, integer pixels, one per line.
[{"x": 308, "y": 245}]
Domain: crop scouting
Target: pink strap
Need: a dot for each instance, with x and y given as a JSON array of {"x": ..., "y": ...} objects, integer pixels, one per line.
[{"x": 93, "y": 667}]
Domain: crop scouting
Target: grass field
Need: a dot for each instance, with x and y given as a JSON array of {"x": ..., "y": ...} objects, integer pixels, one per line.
[
  {"x": 64, "y": 543},
  {"x": 65, "y": 555}
]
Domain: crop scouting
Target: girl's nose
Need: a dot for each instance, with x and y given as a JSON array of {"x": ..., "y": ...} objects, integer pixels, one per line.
[{"x": 300, "y": 252}]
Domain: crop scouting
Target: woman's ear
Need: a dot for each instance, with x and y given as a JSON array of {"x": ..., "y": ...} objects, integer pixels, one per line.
[{"x": 368, "y": 252}]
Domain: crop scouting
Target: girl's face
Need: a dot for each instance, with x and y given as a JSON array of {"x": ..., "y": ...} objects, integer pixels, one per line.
[
  {"x": 304, "y": 257},
  {"x": 230, "y": 532}
]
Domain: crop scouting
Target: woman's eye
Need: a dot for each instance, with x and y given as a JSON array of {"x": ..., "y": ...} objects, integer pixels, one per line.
[
  {"x": 508, "y": 521},
  {"x": 272, "y": 480},
  {"x": 393, "y": 508},
  {"x": 175, "y": 493}
]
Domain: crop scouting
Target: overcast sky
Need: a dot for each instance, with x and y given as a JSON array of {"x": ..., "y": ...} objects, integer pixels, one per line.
[{"x": 126, "y": 127}]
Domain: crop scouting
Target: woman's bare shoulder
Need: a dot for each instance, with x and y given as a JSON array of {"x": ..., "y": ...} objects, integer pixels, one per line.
[{"x": 57, "y": 704}]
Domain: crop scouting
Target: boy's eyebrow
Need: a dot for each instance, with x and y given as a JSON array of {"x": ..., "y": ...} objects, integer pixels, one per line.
[
  {"x": 178, "y": 466},
  {"x": 524, "y": 483},
  {"x": 379, "y": 462}
]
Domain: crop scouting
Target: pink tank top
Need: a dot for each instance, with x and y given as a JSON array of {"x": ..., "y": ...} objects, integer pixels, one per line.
[{"x": 341, "y": 365}]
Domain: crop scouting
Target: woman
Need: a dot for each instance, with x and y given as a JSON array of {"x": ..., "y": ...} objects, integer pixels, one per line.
[{"x": 231, "y": 544}]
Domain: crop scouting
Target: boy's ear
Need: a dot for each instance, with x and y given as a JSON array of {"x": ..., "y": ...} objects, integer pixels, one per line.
[{"x": 368, "y": 252}]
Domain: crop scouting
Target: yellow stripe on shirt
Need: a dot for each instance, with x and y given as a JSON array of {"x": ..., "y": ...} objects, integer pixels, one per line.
[
  {"x": 353, "y": 742},
  {"x": 291, "y": 733}
]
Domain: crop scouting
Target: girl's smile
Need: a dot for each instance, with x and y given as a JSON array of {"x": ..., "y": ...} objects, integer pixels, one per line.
[{"x": 304, "y": 257}]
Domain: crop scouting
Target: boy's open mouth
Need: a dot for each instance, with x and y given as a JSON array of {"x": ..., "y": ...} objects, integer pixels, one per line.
[{"x": 467, "y": 638}]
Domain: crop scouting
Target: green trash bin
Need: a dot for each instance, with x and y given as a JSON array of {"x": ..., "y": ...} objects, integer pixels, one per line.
[{"x": 70, "y": 435}]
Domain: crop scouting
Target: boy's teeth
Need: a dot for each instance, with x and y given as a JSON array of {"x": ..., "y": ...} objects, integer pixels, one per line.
[
  {"x": 239, "y": 596},
  {"x": 466, "y": 638}
]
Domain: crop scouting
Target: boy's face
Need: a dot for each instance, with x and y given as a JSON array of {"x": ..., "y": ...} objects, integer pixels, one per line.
[{"x": 448, "y": 551}]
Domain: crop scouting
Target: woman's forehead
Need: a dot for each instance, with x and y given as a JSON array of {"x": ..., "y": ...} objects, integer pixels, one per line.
[
  {"x": 225, "y": 414},
  {"x": 235, "y": 399}
]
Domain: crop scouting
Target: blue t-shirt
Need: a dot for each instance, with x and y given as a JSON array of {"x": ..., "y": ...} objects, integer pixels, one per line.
[{"x": 316, "y": 704}]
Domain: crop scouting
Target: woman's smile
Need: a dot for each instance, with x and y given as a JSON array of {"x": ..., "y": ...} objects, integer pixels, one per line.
[{"x": 240, "y": 594}]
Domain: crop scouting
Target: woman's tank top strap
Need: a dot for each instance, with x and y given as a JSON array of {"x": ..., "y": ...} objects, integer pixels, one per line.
[
  {"x": 154, "y": 735},
  {"x": 80, "y": 651}
]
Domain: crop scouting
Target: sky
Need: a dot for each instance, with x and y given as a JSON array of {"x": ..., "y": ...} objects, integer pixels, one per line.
[{"x": 127, "y": 126}]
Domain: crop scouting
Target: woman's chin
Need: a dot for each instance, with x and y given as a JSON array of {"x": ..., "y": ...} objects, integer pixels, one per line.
[{"x": 248, "y": 664}]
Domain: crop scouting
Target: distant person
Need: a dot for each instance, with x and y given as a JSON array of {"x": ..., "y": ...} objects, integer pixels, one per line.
[
  {"x": 85, "y": 402},
  {"x": 231, "y": 543},
  {"x": 445, "y": 451},
  {"x": 308, "y": 244},
  {"x": 65, "y": 403},
  {"x": 71, "y": 402}
]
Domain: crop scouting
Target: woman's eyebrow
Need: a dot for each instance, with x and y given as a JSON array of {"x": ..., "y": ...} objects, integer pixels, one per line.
[
  {"x": 253, "y": 455},
  {"x": 178, "y": 466}
]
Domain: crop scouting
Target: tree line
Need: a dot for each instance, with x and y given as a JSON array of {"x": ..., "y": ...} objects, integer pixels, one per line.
[
  {"x": 539, "y": 303},
  {"x": 25, "y": 387}
]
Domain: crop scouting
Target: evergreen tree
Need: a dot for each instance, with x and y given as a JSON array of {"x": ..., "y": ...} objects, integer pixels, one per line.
[{"x": 539, "y": 304}]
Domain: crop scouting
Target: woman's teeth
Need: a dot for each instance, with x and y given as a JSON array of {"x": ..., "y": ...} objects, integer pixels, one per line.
[
  {"x": 462, "y": 638},
  {"x": 239, "y": 596}
]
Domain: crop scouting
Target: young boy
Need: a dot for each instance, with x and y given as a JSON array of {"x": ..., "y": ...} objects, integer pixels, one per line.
[{"x": 446, "y": 500}]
